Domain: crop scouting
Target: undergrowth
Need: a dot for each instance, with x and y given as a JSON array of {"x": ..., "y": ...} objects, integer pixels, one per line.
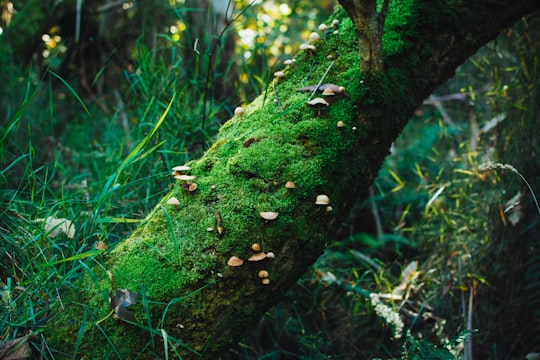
[{"x": 412, "y": 274}]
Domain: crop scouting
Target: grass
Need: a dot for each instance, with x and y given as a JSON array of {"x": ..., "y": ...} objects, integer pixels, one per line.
[{"x": 106, "y": 172}]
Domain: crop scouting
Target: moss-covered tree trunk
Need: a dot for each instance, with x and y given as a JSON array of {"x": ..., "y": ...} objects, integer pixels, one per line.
[{"x": 191, "y": 302}]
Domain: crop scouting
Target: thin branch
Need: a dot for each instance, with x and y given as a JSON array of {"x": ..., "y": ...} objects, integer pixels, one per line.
[{"x": 211, "y": 61}]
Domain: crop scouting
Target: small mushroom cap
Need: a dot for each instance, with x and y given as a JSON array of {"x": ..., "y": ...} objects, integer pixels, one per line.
[
  {"x": 290, "y": 185},
  {"x": 323, "y": 27},
  {"x": 256, "y": 247},
  {"x": 263, "y": 274},
  {"x": 314, "y": 37},
  {"x": 328, "y": 92},
  {"x": 307, "y": 47},
  {"x": 257, "y": 257},
  {"x": 181, "y": 168},
  {"x": 238, "y": 111},
  {"x": 235, "y": 261},
  {"x": 317, "y": 102},
  {"x": 279, "y": 74},
  {"x": 184, "y": 177},
  {"x": 270, "y": 255},
  {"x": 340, "y": 124},
  {"x": 265, "y": 281},
  {"x": 322, "y": 199},
  {"x": 269, "y": 215},
  {"x": 173, "y": 201},
  {"x": 189, "y": 186}
]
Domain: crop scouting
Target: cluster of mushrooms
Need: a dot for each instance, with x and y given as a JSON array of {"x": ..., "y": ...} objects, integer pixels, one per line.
[{"x": 328, "y": 93}]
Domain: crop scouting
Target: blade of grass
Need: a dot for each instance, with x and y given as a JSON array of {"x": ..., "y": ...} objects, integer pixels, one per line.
[{"x": 72, "y": 91}]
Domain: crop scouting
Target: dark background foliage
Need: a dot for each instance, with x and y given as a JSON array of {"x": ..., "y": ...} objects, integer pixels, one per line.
[{"x": 455, "y": 238}]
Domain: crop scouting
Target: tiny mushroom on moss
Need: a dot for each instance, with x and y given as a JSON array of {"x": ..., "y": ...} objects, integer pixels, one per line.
[
  {"x": 314, "y": 37},
  {"x": 184, "y": 177},
  {"x": 173, "y": 201},
  {"x": 256, "y": 247},
  {"x": 308, "y": 47},
  {"x": 270, "y": 255},
  {"x": 289, "y": 61},
  {"x": 279, "y": 74},
  {"x": 181, "y": 168},
  {"x": 269, "y": 215},
  {"x": 340, "y": 124},
  {"x": 263, "y": 274},
  {"x": 335, "y": 22},
  {"x": 257, "y": 257},
  {"x": 265, "y": 281},
  {"x": 322, "y": 199},
  {"x": 238, "y": 111},
  {"x": 235, "y": 261},
  {"x": 323, "y": 27},
  {"x": 317, "y": 103},
  {"x": 189, "y": 186},
  {"x": 290, "y": 185}
]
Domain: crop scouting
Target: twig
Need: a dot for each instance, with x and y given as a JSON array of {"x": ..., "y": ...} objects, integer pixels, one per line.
[
  {"x": 211, "y": 61},
  {"x": 320, "y": 82},
  {"x": 490, "y": 165}
]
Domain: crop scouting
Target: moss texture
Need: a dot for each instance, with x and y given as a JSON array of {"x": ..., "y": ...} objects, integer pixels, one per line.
[{"x": 179, "y": 267}]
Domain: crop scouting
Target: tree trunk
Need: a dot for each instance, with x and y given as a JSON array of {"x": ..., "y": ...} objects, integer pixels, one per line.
[{"x": 190, "y": 300}]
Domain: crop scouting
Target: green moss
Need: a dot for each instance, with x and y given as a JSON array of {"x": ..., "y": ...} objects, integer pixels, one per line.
[{"x": 173, "y": 255}]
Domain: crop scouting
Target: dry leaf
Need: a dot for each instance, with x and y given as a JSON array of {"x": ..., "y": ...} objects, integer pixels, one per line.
[
  {"x": 16, "y": 349},
  {"x": 119, "y": 303},
  {"x": 55, "y": 226}
]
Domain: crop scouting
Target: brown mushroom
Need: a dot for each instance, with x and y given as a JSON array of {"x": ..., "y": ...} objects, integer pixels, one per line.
[
  {"x": 317, "y": 103},
  {"x": 257, "y": 257},
  {"x": 256, "y": 247},
  {"x": 290, "y": 185},
  {"x": 235, "y": 261},
  {"x": 263, "y": 274}
]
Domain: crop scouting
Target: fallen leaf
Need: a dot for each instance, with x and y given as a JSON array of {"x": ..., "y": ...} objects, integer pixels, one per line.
[
  {"x": 119, "y": 303},
  {"x": 56, "y": 226},
  {"x": 16, "y": 349}
]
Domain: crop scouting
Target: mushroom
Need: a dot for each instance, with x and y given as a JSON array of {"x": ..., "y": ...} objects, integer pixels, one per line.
[
  {"x": 189, "y": 186},
  {"x": 323, "y": 27},
  {"x": 279, "y": 74},
  {"x": 235, "y": 261},
  {"x": 317, "y": 103},
  {"x": 257, "y": 257},
  {"x": 263, "y": 274},
  {"x": 289, "y": 61},
  {"x": 314, "y": 37},
  {"x": 340, "y": 124},
  {"x": 265, "y": 281},
  {"x": 308, "y": 47},
  {"x": 184, "y": 177},
  {"x": 256, "y": 247},
  {"x": 322, "y": 199},
  {"x": 239, "y": 111},
  {"x": 181, "y": 168},
  {"x": 290, "y": 185},
  {"x": 269, "y": 215},
  {"x": 173, "y": 201},
  {"x": 270, "y": 255},
  {"x": 335, "y": 22}
]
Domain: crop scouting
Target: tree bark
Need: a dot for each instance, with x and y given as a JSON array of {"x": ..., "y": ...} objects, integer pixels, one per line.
[{"x": 191, "y": 302}]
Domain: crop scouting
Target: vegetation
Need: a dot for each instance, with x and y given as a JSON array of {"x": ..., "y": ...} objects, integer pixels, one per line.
[{"x": 420, "y": 269}]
